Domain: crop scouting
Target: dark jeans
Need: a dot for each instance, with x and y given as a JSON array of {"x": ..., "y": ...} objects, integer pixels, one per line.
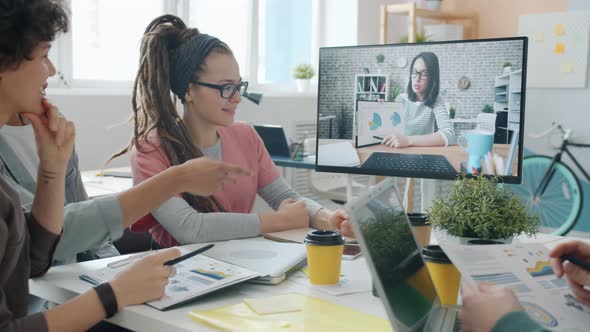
[{"x": 105, "y": 326}]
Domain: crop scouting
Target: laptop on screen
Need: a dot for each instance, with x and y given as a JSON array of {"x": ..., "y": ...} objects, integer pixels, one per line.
[
  {"x": 399, "y": 274},
  {"x": 274, "y": 140}
]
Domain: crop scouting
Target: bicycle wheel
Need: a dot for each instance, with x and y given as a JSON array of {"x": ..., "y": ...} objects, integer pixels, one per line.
[{"x": 559, "y": 207}]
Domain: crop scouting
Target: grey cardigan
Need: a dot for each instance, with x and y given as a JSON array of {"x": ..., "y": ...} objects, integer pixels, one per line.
[{"x": 89, "y": 225}]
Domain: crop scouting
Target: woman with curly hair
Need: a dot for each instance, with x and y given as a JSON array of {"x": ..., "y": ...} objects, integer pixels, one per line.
[{"x": 28, "y": 239}]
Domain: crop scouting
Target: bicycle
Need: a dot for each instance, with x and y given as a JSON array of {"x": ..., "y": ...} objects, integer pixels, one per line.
[{"x": 550, "y": 188}]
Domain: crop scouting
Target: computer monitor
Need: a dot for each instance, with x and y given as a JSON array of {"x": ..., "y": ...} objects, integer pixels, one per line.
[{"x": 439, "y": 107}]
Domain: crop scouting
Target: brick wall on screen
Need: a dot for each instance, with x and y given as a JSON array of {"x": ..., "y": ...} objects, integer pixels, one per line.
[{"x": 480, "y": 61}]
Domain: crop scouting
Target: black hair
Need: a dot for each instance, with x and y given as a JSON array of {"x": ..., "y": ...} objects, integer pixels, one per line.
[
  {"x": 26, "y": 23},
  {"x": 431, "y": 61}
]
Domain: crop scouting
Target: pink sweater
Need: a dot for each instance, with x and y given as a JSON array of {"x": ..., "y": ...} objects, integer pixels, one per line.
[{"x": 240, "y": 144}]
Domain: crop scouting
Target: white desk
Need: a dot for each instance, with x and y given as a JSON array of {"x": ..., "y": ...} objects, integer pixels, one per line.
[
  {"x": 97, "y": 185},
  {"x": 61, "y": 283}
]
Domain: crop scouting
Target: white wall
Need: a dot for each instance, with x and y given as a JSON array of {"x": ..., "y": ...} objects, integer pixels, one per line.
[{"x": 102, "y": 129}]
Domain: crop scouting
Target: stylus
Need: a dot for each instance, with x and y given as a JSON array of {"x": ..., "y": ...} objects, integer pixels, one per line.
[
  {"x": 189, "y": 255},
  {"x": 581, "y": 263}
]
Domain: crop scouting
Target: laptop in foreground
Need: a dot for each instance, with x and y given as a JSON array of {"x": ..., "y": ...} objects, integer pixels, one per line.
[{"x": 399, "y": 274}]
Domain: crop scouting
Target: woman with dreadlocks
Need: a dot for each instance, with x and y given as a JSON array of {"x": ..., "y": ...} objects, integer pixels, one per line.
[{"x": 202, "y": 72}]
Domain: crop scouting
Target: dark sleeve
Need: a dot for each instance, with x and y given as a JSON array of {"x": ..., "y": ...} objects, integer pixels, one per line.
[
  {"x": 42, "y": 245},
  {"x": 8, "y": 323},
  {"x": 518, "y": 321},
  {"x": 35, "y": 322}
]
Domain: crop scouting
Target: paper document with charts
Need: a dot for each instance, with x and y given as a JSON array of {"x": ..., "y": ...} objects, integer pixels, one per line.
[
  {"x": 194, "y": 277},
  {"x": 525, "y": 268}
]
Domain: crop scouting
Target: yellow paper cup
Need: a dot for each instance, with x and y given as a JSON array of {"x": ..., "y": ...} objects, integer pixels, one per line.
[
  {"x": 444, "y": 274},
  {"x": 420, "y": 228},
  {"x": 324, "y": 256}
]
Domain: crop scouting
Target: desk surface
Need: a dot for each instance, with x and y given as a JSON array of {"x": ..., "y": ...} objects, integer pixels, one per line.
[
  {"x": 61, "y": 283},
  {"x": 97, "y": 185},
  {"x": 307, "y": 162}
]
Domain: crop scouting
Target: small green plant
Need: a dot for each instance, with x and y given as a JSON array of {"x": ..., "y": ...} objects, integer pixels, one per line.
[
  {"x": 303, "y": 72},
  {"x": 507, "y": 64},
  {"x": 394, "y": 92},
  {"x": 487, "y": 108},
  {"x": 420, "y": 38},
  {"x": 479, "y": 207},
  {"x": 452, "y": 112},
  {"x": 380, "y": 58}
]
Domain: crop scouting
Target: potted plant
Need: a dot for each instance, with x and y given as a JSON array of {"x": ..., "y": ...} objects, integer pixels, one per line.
[
  {"x": 507, "y": 67},
  {"x": 303, "y": 74},
  {"x": 420, "y": 38},
  {"x": 487, "y": 108},
  {"x": 480, "y": 208},
  {"x": 452, "y": 112},
  {"x": 380, "y": 58},
  {"x": 394, "y": 92}
]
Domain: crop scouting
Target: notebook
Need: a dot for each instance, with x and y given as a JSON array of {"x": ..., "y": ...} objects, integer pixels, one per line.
[
  {"x": 399, "y": 274},
  {"x": 289, "y": 312},
  {"x": 196, "y": 276},
  {"x": 227, "y": 264},
  {"x": 272, "y": 260},
  {"x": 274, "y": 140}
]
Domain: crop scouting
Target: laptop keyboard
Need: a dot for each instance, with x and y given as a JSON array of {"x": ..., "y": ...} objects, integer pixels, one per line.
[{"x": 415, "y": 164}]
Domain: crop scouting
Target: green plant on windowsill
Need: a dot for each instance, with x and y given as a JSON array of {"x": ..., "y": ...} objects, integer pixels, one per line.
[
  {"x": 420, "y": 38},
  {"x": 303, "y": 72},
  {"x": 487, "y": 108},
  {"x": 479, "y": 207},
  {"x": 507, "y": 64}
]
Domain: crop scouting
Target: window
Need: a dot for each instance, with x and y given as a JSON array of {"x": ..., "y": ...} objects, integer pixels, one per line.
[
  {"x": 268, "y": 37},
  {"x": 285, "y": 38},
  {"x": 106, "y": 36}
]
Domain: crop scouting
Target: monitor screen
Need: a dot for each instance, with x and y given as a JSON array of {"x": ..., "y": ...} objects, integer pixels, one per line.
[{"x": 426, "y": 110}]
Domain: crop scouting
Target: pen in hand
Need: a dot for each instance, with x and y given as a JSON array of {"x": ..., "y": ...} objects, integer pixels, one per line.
[
  {"x": 576, "y": 261},
  {"x": 378, "y": 137},
  {"x": 189, "y": 255}
]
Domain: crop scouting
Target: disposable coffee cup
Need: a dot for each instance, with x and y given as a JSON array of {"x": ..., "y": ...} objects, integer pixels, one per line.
[
  {"x": 420, "y": 228},
  {"x": 324, "y": 256},
  {"x": 444, "y": 274},
  {"x": 479, "y": 242}
]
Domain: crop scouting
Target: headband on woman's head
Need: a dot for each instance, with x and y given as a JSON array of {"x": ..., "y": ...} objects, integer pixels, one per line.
[{"x": 187, "y": 59}]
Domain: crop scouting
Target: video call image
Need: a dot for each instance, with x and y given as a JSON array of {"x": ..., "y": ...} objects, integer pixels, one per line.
[{"x": 431, "y": 110}]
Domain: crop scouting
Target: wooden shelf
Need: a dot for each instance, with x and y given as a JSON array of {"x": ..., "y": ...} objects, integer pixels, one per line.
[{"x": 410, "y": 10}]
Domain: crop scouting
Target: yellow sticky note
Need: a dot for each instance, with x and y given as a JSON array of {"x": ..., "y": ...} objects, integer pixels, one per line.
[
  {"x": 559, "y": 48},
  {"x": 566, "y": 67},
  {"x": 559, "y": 30},
  {"x": 538, "y": 36},
  {"x": 275, "y": 304}
]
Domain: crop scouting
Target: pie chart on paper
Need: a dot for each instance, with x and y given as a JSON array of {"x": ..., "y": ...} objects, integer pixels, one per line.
[{"x": 376, "y": 122}]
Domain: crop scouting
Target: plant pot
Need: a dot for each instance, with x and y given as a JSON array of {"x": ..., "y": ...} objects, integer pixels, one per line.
[
  {"x": 507, "y": 69},
  {"x": 466, "y": 240},
  {"x": 302, "y": 85}
]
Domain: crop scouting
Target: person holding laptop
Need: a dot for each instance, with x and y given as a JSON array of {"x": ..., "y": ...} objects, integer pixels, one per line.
[
  {"x": 424, "y": 109},
  {"x": 203, "y": 73},
  {"x": 490, "y": 308}
]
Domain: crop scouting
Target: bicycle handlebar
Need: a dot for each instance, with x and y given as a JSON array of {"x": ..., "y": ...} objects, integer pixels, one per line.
[{"x": 565, "y": 132}]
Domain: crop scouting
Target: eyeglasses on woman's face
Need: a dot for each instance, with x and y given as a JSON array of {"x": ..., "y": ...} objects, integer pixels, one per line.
[
  {"x": 423, "y": 75},
  {"x": 227, "y": 90}
]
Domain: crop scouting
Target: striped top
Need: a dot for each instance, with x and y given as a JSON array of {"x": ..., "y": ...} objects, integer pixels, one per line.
[{"x": 419, "y": 119}]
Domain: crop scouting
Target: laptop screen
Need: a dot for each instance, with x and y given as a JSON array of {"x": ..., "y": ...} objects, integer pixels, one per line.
[
  {"x": 399, "y": 274},
  {"x": 274, "y": 140}
]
